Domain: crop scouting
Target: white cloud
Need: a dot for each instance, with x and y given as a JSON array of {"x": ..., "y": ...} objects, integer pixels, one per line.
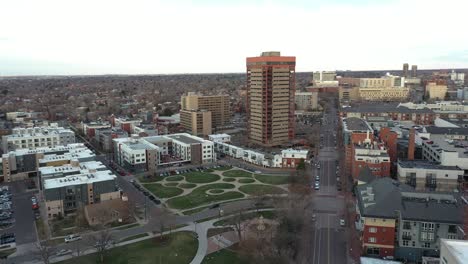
[{"x": 96, "y": 37}]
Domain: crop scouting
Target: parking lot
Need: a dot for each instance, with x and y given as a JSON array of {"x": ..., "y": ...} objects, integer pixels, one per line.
[{"x": 22, "y": 215}]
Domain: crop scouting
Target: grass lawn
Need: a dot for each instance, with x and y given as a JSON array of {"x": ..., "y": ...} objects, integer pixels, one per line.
[
  {"x": 178, "y": 248},
  {"x": 215, "y": 191},
  {"x": 237, "y": 173},
  {"x": 194, "y": 211},
  {"x": 224, "y": 168},
  {"x": 162, "y": 191},
  {"x": 246, "y": 180},
  {"x": 199, "y": 197},
  {"x": 174, "y": 178},
  {"x": 260, "y": 189},
  {"x": 150, "y": 179},
  {"x": 229, "y": 179},
  {"x": 224, "y": 256},
  {"x": 187, "y": 185},
  {"x": 171, "y": 184},
  {"x": 271, "y": 179},
  {"x": 201, "y": 177},
  {"x": 134, "y": 237}
]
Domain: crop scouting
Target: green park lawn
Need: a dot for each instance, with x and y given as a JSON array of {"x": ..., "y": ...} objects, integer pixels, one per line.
[
  {"x": 174, "y": 178},
  {"x": 201, "y": 177},
  {"x": 272, "y": 179},
  {"x": 143, "y": 179},
  {"x": 171, "y": 184},
  {"x": 260, "y": 189},
  {"x": 229, "y": 179},
  {"x": 237, "y": 173},
  {"x": 199, "y": 197},
  {"x": 246, "y": 180},
  {"x": 177, "y": 248},
  {"x": 162, "y": 191},
  {"x": 187, "y": 185},
  {"x": 224, "y": 256}
]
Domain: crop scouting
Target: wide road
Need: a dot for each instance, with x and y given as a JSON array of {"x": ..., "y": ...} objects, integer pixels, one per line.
[{"x": 328, "y": 240}]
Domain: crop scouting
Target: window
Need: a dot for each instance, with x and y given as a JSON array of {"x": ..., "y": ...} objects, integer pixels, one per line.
[
  {"x": 414, "y": 244},
  {"x": 405, "y": 243},
  {"x": 372, "y": 230},
  {"x": 427, "y": 226},
  {"x": 452, "y": 229},
  {"x": 406, "y": 225},
  {"x": 372, "y": 240},
  {"x": 426, "y": 245}
]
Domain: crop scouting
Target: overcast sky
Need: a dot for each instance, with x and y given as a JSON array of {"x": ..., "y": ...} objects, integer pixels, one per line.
[{"x": 182, "y": 36}]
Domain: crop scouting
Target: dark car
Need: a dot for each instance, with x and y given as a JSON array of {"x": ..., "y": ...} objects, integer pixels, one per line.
[
  {"x": 156, "y": 201},
  {"x": 152, "y": 198},
  {"x": 146, "y": 193}
]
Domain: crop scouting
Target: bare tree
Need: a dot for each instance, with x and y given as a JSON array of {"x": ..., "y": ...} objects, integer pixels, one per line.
[
  {"x": 165, "y": 220},
  {"x": 44, "y": 250},
  {"x": 238, "y": 223},
  {"x": 101, "y": 241}
]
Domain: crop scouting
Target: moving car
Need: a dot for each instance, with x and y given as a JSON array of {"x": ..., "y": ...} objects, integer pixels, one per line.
[
  {"x": 342, "y": 222},
  {"x": 317, "y": 186},
  {"x": 71, "y": 238}
]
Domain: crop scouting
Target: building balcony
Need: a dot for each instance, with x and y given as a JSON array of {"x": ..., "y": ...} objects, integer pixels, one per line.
[{"x": 406, "y": 237}]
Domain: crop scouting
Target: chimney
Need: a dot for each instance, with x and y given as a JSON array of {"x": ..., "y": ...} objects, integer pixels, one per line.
[{"x": 411, "y": 145}]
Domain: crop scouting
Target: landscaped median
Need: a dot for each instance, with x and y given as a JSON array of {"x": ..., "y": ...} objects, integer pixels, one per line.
[{"x": 176, "y": 248}]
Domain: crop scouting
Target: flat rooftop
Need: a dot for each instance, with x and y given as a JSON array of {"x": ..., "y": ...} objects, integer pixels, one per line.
[
  {"x": 439, "y": 143},
  {"x": 83, "y": 167},
  {"x": 458, "y": 248},
  {"x": 87, "y": 178},
  {"x": 425, "y": 164},
  {"x": 74, "y": 146},
  {"x": 382, "y": 108},
  {"x": 67, "y": 156},
  {"x": 356, "y": 124},
  {"x": 184, "y": 139}
]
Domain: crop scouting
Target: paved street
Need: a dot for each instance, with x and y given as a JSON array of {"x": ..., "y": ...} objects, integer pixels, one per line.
[{"x": 328, "y": 245}]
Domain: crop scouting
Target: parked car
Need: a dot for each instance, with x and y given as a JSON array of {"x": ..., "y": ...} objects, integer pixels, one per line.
[
  {"x": 317, "y": 186},
  {"x": 71, "y": 238},
  {"x": 342, "y": 222}
]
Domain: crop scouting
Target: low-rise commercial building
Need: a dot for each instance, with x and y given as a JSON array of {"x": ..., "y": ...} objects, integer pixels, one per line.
[
  {"x": 436, "y": 91},
  {"x": 35, "y": 137},
  {"x": 66, "y": 194},
  {"x": 384, "y": 93},
  {"x": 89, "y": 129},
  {"x": 225, "y": 138},
  {"x": 429, "y": 176},
  {"x": 104, "y": 137},
  {"x": 446, "y": 152},
  {"x": 306, "y": 100}
]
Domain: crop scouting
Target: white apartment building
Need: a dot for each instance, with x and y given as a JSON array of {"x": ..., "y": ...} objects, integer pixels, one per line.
[
  {"x": 453, "y": 251},
  {"x": 446, "y": 152},
  {"x": 31, "y": 138},
  {"x": 225, "y": 138}
]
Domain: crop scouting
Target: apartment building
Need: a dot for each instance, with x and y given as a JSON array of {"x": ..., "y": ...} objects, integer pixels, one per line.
[
  {"x": 225, "y": 138},
  {"x": 446, "y": 151},
  {"x": 394, "y": 111},
  {"x": 429, "y": 176},
  {"x": 66, "y": 194},
  {"x": 196, "y": 122},
  {"x": 395, "y": 220},
  {"x": 349, "y": 94},
  {"x": 290, "y": 158},
  {"x": 218, "y": 105},
  {"x": 24, "y": 163},
  {"x": 436, "y": 91},
  {"x": 89, "y": 129},
  {"x": 354, "y": 131},
  {"x": 384, "y": 93},
  {"x": 104, "y": 137},
  {"x": 306, "y": 100},
  {"x": 147, "y": 153},
  {"x": 270, "y": 98},
  {"x": 35, "y": 137},
  {"x": 372, "y": 155},
  {"x": 125, "y": 124}
]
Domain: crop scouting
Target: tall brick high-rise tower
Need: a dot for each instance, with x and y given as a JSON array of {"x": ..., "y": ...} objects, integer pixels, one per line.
[{"x": 270, "y": 98}]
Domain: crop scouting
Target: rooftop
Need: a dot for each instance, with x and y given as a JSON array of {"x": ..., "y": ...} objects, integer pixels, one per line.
[
  {"x": 68, "y": 156},
  {"x": 447, "y": 130},
  {"x": 386, "y": 198},
  {"x": 87, "y": 178},
  {"x": 439, "y": 143},
  {"x": 356, "y": 124},
  {"x": 68, "y": 147},
  {"x": 383, "y": 107},
  {"x": 185, "y": 139},
  {"x": 425, "y": 164},
  {"x": 219, "y": 135},
  {"x": 458, "y": 248}
]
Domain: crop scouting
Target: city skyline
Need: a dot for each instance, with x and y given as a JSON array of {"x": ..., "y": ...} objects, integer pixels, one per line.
[{"x": 148, "y": 37}]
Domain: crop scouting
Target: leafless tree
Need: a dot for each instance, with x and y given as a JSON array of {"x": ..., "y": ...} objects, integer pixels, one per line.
[
  {"x": 165, "y": 220},
  {"x": 238, "y": 222},
  {"x": 101, "y": 241},
  {"x": 44, "y": 250}
]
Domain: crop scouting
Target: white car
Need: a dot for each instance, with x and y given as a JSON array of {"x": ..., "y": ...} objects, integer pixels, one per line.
[
  {"x": 258, "y": 172},
  {"x": 72, "y": 238},
  {"x": 342, "y": 222}
]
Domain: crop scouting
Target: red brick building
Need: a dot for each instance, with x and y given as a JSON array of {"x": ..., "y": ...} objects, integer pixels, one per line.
[
  {"x": 389, "y": 138},
  {"x": 378, "y": 237},
  {"x": 373, "y": 155},
  {"x": 354, "y": 131}
]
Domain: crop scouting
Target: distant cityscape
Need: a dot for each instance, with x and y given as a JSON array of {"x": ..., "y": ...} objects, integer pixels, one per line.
[{"x": 267, "y": 166}]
